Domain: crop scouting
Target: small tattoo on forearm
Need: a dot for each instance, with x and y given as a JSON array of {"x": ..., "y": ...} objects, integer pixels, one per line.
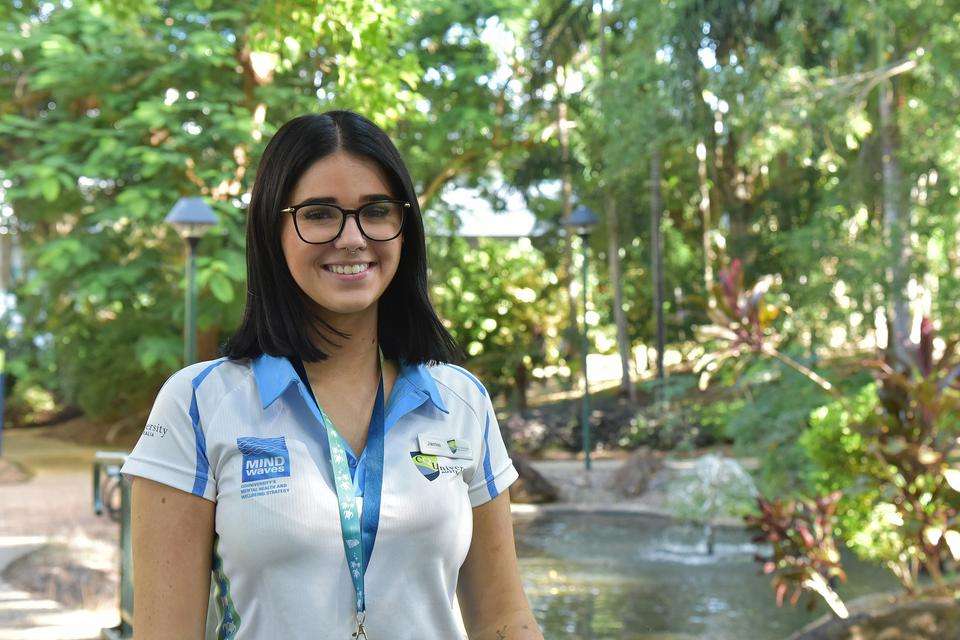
[{"x": 502, "y": 633}]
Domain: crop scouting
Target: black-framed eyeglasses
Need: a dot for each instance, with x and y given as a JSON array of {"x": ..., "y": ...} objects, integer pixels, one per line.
[{"x": 319, "y": 223}]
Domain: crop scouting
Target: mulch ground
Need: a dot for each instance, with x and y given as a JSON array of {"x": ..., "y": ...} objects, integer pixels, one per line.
[{"x": 120, "y": 434}]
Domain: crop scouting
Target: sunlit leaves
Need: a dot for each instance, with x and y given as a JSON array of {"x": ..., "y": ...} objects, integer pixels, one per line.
[{"x": 482, "y": 293}]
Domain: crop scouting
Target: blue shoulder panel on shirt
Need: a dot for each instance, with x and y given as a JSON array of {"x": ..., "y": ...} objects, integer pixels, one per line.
[
  {"x": 487, "y": 469},
  {"x": 203, "y": 465},
  {"x": 469, "y": 375}
]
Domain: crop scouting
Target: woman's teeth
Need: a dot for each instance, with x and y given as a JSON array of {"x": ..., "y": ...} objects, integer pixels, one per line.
[{"x": 348, "y": 269}]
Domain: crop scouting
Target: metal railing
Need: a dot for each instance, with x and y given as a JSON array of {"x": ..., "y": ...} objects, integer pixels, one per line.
[{"x": 111, "y": 493}]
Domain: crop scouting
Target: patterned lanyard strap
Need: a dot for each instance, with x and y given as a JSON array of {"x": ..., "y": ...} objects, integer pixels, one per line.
[{"x": 359, "y": 530}]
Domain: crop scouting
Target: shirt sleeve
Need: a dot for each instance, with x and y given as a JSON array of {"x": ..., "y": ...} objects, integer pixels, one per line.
[
  {"x": 172, "y": 447},
  {"x": 495, "y": 472}
]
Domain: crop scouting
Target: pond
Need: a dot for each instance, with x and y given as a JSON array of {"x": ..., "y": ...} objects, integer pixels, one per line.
[{"x": 630, "y": 577}]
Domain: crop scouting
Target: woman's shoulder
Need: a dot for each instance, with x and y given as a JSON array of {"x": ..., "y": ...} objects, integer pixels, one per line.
[
  {"x": 215, "y": 374},
  {"x": 459, "y": 384}
]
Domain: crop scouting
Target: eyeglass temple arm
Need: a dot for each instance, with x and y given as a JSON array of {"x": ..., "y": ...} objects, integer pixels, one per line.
[{"x": 406, "y": 205}]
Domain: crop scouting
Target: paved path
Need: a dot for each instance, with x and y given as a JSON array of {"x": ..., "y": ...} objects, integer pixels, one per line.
[{"x": 55, "y": 504}]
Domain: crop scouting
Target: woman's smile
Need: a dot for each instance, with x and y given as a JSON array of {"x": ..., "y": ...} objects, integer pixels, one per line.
[{"x": 348, "y": 272}]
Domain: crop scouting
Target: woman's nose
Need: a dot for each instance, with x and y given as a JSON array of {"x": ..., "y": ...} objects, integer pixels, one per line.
[{"x": 350, "y": 236}]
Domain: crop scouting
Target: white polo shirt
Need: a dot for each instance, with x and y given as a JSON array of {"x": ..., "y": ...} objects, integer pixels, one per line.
[{"x": 242, "y": 434}]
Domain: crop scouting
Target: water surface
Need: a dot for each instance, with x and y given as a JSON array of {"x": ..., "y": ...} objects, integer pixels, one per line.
[{"x": 630, "y": 577}]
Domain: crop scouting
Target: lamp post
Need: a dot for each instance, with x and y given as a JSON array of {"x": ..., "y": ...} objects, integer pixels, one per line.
[
  {"x": 581, "y": 221},
  {"x": 191, "y": 217}
]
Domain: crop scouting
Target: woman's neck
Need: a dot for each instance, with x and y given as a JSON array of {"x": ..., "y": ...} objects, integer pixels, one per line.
[{"x": 356, "y": 357}]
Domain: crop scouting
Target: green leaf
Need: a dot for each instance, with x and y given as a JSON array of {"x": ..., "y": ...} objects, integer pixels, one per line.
[
  {"x": 221, "y": 287},
  {"x": 50, "y": 188}
]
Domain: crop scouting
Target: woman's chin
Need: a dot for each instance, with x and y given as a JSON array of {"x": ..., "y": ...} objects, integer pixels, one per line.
[{"x": 345, "y": 307}]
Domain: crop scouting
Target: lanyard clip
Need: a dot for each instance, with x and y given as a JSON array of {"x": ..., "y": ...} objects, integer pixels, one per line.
[{"x": 360, "y": 632}]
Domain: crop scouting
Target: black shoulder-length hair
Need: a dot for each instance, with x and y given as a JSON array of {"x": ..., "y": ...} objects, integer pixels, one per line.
[{"x": 277, "y": 319}]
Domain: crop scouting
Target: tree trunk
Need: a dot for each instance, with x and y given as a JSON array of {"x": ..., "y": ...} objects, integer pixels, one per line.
[
  {"x": 522, "y": 380},
  {"x": 567, "y": 268},
  {"x": 708, "y": 258},
  {"x": 656, "y": 267},
  {"x": 6, "y": 259},
  {"x": 620, "y": 317},
  {"x": 895, "y": 219},
  {"x": 613, "y": 251},
  {"x": 208, "y": 343}
]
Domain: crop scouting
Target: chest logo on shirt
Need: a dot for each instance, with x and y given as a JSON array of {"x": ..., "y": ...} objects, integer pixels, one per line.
[
  {"x": 432, "y": 468},
  {"x": 264, "y": 458}
]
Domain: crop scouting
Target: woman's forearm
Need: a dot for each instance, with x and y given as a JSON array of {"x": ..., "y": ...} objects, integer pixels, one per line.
[{"x": 517, "y": 625}]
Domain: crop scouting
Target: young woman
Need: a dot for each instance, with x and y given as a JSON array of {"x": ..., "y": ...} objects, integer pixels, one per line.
[{"x": 336, "y": 475}]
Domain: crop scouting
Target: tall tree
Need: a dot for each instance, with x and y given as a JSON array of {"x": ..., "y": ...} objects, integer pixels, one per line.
[{"x": 611, "y": 216}]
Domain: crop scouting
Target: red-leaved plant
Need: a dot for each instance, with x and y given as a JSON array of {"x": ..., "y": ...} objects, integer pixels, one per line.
[
  {"x": 742, "y": 320},
  {"x": 804, "y": 555}
]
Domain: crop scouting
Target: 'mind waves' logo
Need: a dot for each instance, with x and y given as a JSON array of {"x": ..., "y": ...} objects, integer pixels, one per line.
[{"x": 264, "y": 458}]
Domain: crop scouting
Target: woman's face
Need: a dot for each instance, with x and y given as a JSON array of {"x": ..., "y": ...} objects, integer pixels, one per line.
[{"x": 349, "y": 181}]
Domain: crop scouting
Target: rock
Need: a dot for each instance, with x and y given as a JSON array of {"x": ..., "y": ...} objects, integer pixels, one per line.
[
  {"x": 531, "y": 487},
  {"x": 634, "y": 475},
  {"x": 889, "y": 618},
  {"x": 78, "y": 575},
  {"x": 12, "y": 473}
]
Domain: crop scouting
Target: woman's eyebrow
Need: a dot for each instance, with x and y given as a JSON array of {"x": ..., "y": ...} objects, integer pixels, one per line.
[{"x": 370, "y": 197}]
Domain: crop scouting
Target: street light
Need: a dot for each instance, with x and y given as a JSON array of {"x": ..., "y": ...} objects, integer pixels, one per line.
[
  {"x": 191, "y": 217},
  {"x": 581, "y": 221}
]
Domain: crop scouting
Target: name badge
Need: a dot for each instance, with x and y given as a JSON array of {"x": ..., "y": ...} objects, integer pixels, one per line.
[{"x": 449, "y": 447}]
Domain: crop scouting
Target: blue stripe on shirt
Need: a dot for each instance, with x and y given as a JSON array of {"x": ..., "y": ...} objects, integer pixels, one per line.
[
  {"x": 203, "y": 465},
  {"x": 487, "y": 469}
]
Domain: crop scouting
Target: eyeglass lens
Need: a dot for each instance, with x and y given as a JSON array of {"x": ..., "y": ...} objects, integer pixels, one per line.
[{"x": 378, "y": 220}]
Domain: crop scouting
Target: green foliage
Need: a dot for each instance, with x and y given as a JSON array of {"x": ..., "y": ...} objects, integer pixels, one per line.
[
  {"x": 682, "y": 422},
  {"x": 501, "y": 302},
  {"x": 840, "y": 461},
  {"x": 766, "y": 421},
  {"x": 893, "y": 450},
  {"x": 122, "y": 107},
  {"x": 114, "y": 109}
]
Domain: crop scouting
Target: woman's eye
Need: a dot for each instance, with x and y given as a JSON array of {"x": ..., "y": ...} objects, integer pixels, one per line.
[
  {"x": 377, "y": 212},
  {"x": 319, "y": 213}
]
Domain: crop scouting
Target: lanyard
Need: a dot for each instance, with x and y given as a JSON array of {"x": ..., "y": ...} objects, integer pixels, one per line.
[{"x": 359, "y": 530}]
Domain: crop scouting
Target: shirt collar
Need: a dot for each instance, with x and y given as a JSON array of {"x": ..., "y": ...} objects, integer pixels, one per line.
[
  {"x": 274, "y": 374},
  {"x": 420, "y": 378}
]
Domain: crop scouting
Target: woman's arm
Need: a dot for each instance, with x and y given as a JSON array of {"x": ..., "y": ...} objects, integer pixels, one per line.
[
  {"x": 172, "y": 537},
  {"x": 489, "y": 590}
]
